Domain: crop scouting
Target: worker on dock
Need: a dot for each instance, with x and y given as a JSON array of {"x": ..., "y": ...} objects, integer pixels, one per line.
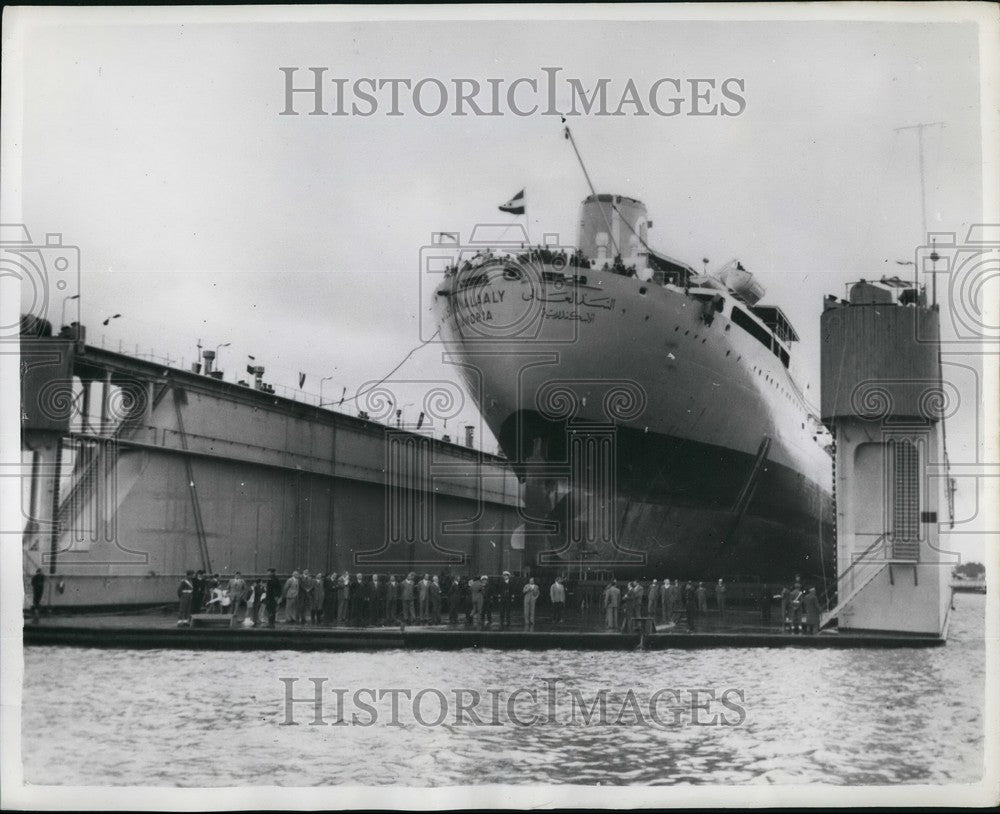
[
  {"x": 37, "y": 591},
  {"x": 255, "y": 598},
  {"x": 810, "y": 604},
  {"x": 702, "y": 598},
  {"x": 505, "y": 599},
  {"x": 476, "y": 593},
  {"x": 612, "y": 600},
  {"x": 391, "y": 616},
  {"x": 318, "y": 594},
  {"x": 628, "y": 605},
  {"x": 237, "y": 595},
  {"x": 786, "y": 610},
  {"x": 435, "y": 591},
  {"x": 653, "y": 600},
  {"x": 377, "y": 604},
  {"x": 358, "y": 596},
  {"x": 290, "y": 596},
  {"x": 424, "y": 595},
  {"x": 453, "y": 592},
  {"x": 691, "y": 605},
  {"x": 273, "y": 594},
  {"x": 184, "y": 593},
  {"x": 486, "y": 619},
  {"x": 343, "y": 597},
  {"x": 328, "y": 613},
  {"x": 307, "y": 595},
  {"x": 407, "y": 593},
  {"x": 795, "y": 607},
  {"x": 666, "y": 601},
  {"x": 198, "y": 594},
  {"x": 557, "y": 596},
  {"x": 720, "y": 597},
  {"x": 465, "y": 599},
  {"x": 531, "y": 592}
]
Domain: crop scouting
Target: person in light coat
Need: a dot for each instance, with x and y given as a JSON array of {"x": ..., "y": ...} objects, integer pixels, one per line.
[
  {"x": 557, "y": 595},
  {"x": 290, "y": 596},
  {"x": 237, "y": 595},
  {"x": 531, "y": 592},
  {"x": 612, "y": 600}
]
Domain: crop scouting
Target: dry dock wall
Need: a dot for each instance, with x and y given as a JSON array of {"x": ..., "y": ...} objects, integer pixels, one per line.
[{"x": 198, "y": 473}]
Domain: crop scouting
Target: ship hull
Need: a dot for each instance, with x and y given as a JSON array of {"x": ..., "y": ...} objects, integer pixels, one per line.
[{"x": 649, "y": 439}]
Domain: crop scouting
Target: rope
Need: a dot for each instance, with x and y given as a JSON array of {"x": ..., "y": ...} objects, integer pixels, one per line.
[
  {"x": 397, "y": 367},
  {"x": 569, "y": 137}
]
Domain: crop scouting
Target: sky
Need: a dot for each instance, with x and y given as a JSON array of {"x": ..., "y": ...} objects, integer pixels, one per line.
[{"x": 202, "y": 215}]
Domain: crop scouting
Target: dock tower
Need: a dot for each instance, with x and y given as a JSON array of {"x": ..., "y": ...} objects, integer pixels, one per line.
[{"x": 883, "y": 400}]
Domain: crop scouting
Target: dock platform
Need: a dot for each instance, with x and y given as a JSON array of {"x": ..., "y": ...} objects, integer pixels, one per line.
[{"x": 146, "y": 631}]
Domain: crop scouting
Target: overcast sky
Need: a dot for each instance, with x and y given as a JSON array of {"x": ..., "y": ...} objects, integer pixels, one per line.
[{"x": 201, "y": 213}]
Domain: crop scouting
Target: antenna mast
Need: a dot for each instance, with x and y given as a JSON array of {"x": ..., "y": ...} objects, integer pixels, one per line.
[{"x": 923, "y": 184}]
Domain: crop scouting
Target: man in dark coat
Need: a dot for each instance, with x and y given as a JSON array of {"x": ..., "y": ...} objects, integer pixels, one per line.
[
  {"x": 377, "y": 608},
  {"x": 810, "y": 604},
  {"x": 486, "y": 618},
  {"x": 505, "y": 599},
  {"x": 465, "y": 598},
  {"x": 391, "y": 598},
  {"x": 435, "y": 601},
  {"x": 198, "y": 591},
  {"x": 343, "y": 598},
  {"x": 329, "y": 598},
  {"x": 454, "y": 593},
  {"x": 355, "y": 598},
  {"x": 691, "y": 605},
  {"x": 273, "y": 590},
  {"x": 37, "y": 590}
]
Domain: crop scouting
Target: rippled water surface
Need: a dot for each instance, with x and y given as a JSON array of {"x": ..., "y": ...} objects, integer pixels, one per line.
[{"x": 175, "y": 718}]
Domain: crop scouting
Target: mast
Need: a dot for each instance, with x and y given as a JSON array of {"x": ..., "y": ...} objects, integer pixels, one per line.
[{"x": 923, "y": 195}]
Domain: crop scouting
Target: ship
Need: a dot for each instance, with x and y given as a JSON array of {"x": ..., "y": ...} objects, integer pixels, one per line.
[{"x": 647, "y": 408}]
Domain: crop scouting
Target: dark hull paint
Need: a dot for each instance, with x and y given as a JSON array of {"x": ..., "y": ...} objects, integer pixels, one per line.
[{"x": 680, "y": 509}]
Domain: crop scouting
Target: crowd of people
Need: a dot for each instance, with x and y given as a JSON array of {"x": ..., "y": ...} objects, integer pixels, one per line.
[
  {"x": 800, "y": 609},
  {"x": 662, "y": 602},
  {"x": 363, "y": 600}
]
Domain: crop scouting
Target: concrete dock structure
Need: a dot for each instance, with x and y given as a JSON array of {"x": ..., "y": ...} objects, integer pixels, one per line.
[
  {"x": 883, "y": 399},
  {"x": 177, "y": 469}
]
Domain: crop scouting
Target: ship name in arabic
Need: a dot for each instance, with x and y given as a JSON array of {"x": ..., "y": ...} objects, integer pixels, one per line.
[
  {"x": 569, "y": 298},
  {"x": 565, "y": 313}
]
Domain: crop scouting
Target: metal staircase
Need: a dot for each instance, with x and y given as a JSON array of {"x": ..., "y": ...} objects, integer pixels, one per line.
[{"x": 867, "y": 559}]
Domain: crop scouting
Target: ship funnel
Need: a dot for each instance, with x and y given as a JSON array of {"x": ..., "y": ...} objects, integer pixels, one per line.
[
  {"x": 209, "y": 357},
  {"x": 612, "y": 225}
]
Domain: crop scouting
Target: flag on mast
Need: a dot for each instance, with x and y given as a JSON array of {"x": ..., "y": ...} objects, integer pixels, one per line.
[{"x": 515, "y": 206}]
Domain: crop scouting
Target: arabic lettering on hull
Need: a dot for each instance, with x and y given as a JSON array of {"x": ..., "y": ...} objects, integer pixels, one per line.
[{"x": 569, "y": 298}]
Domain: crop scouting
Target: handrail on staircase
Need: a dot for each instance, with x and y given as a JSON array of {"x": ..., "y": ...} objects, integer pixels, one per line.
[{"x": 854, "y": 562}]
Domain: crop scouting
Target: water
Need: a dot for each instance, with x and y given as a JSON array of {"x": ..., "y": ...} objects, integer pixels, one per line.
[{"x": 175, "y": 718}]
